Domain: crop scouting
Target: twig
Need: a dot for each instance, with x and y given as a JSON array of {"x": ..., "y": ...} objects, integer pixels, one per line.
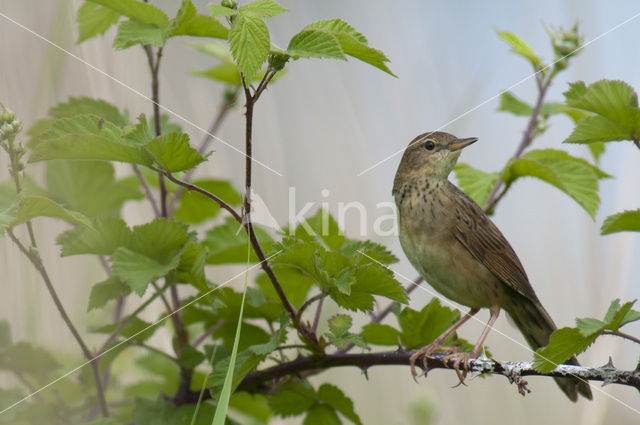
[
  {"x": 622, "y": 335},
  {"x": 153, "y": 349},
  {"x": 316, "y": 318},
  {"x": 306, "y": 304},
  {"x": 258, "y": 381},
  {"x": 147, "y": 190},
  {"x": 34, "y": 258},
  {"x": 527, "y": 138},
  {"x": 199, "y": 340},
  {"x": 226, "y": 106}
]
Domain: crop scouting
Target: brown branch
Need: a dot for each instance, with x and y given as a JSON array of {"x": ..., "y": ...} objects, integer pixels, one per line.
[
  {"x": 527, "y": 139},
  {"x": 622, "y": 335},
  {"x": 34, "y": 258},
  {"x": 260, "y": 381},
  {"x": 199, "y": 340},
  {"x": 306, "y": 305},
  {"x": 147, "y": 190},
  {"x": 316, "y": 318}
]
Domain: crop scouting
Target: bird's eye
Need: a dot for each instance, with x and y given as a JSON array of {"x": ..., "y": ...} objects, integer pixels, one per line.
[{"x": 429, "y": 145}]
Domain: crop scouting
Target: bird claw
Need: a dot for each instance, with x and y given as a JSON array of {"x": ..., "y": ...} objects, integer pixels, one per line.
[
  {"x": 459, "y": 358},
  {"x": 424, "y": 352}
]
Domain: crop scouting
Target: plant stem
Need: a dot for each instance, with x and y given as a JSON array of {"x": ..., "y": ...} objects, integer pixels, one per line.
[
  {"x": 34, "y": 258},
  {"x": 316, "y": 318},
  {"x": 623, "y": 335},
  {"x": 147, "y": 190},
  {"x": 199, "y": 340},
  {"x": 306, "y": 304},
  {"x": 307, "y": 334},
  {"x": 527, "y": 139}
]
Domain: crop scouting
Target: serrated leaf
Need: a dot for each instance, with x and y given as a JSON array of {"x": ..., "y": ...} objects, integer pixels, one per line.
[
  {"x": 134, "y": 326},
  {"x": 30, "y": 360},
  {"x": 160, "y": 239},
  {"x": 137, "y": 270},
  {"x": 380, "y": 334},
  {"x": 334, "y": 397},
  {"x": 133, "y": 32},
  {"x": 139, "y": 11},
  {"x": 593, "y": 129},
  {"x": 105, "y": 291},
  {"x": 321, "y": 228},
  {"x": 621, "y": 222},
  {"x": 510, "y": 103},
  {"x": 30, "y": 207},
  {"x": 89, "y": 187},
  {"x": 419, "y": 328},
  {"x": 366, "y": 249},
  {"x": 340, "y": 324},
  {"x": 321, "y": 414},
  {"x": 172, "y": 152},
  {"x": 315, "y": 44},
  {"x": 191, "y": 266},
  {"x": 574, "y": 176},
  {"x": 294, "y": 283},
  {"x": 618, "y": 315},
  {"x": 290, "y": 402},
  {"x": 227, "y": 243},
  {"x": 94, "y": 20},
  {"x": 104, "y": 236},
  {"x": 589, "y": 326},
  {"x": 519, "y": 47},
  {"x": 276, "y": 338},
  {"x": 194, "y": 207},
  {"x": 476, "y": 183},
  {"x": 262, "y": 9},
  {"x": 189, "y": 22},
  {"x": 88, "y": 106},
  {"x": 563, "y": 344},
  {"x": 337, "y": 26},
  {"x": 361, "y": 51},
  {"x": 218, "y": 10},
  {"x": 378, "y": 280},
  {"x": 225, "y": 72},
  {"x": 250, "y": 43},
  {"x": 190, "y": 357},
  {"x": 254, "y": 405}
]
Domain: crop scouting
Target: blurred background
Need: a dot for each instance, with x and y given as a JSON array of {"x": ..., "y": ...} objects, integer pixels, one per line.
[{"x": 325, "y": 122}]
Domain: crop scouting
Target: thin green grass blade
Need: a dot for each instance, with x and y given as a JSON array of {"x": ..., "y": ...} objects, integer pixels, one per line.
[{"x": 204, "y": 385}]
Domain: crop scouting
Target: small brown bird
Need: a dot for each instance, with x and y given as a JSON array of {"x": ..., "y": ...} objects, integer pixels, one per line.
[{"x": 460, "y": 252}]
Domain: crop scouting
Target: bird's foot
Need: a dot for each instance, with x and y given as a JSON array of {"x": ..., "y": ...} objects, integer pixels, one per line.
[
  {"x": 426, "y": 351},
  {"x": 460, "y": 359}
]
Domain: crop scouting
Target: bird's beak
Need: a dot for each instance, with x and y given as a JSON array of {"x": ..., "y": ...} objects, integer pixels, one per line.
[{"x": 462, "y": 143}]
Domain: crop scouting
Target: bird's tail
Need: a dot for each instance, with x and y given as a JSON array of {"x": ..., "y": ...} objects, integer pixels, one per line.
[{"x": 537, "y": 326}]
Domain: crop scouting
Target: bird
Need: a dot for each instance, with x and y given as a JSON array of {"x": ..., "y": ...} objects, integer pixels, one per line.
[{"x": 462, "y": 254}]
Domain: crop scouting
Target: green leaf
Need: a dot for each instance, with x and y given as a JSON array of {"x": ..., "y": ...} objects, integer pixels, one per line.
[
  {"x": 8, "y": 205},
  {"x": 190, "y": 357},
  {"x": 597, "y": 149},
  {"x": 191, "y": 266},
  {"x": 134, "y": 326},
  {"x": 31, "y": 207},
  {"x": 172, "y": 152},
  {"x": 321, "y": 228},
  {"x": 334, "y": 397},
  {"x": 563, "y": 344},
  {"x": 618, "y": 316},
  {"x": 93, "y": 20},
  {"x": 510, "y": 103},
  {"x": 593, "y": 129},
  {"x": 218, "y": 10},
  {"x": 137, "y": 270},
  {"x": 378, "y": 280},
  {"x": 366, "y": 249},
  {"x": 589, "y": 326},
  {"x": 361, "y": 51},
  {"x": 262, "y": 9},
  {"x": 5, "y": 334},
  {"x": 136, "y": 10},
  {"x": 160, "y": 239},
  {"x": 250, "y": 43},
  {"x": 574, "y": 176},
  {"x": 290, "y": 402},
  {"x": 227, "y": 243},
  {"x": 476, "y": 183},
  {"x": 103, "y": 237},
  {"x": 105, "y": 291},
  {"x": 89, "y": 106},
  {"x": 225, "y": 72},
  {"x": 133, "y": 32},
  {"x": 276, "y": 338},
  {"x": 380, "y": 334},
  {"x": 337, "y": 26},
  {"x": 189, "y": 22},
  {"x": 89, "y": 187},
  {"x": 194, "y": 207},
  {"x": 419, "y": 328},
  {"x": 254, "y": 405},
  {"x": 519, "y": 47},
  {"x": 315, "y": 44},
  {"x": 294, "y": 283},
  {"x": 321, "y": 414},
  {"x": 30, "y": 360},
  {"x": 621, "y": 222},
  {"x": 339, "y": 334}
]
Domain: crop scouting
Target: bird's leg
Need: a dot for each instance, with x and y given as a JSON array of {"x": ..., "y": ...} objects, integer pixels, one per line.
[
  {"x": 465, "y": 358},
  {"x": 437, "y": 343}
]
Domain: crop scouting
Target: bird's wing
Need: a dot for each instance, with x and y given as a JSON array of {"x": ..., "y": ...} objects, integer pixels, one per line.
[{"x": 476, "y": 232}]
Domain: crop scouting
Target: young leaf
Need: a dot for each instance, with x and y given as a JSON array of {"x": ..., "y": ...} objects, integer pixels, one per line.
[
  {"x": 291, "y": 402},
  {"x": 218, "y": 10},
  {"x": 250, "y": 43},
  {"x": 105, "y": 291},
  {"x": 190, "y": 357},
  {"x": 137, "y": 270},
  {"x": 321, "y": 228},
  {"x": 510, "y": 103},
  {"x": 195, "y": 207},
  {"x": 624, "y": 221},
  {"x": 136, "y": 10},
  {"x": 574, "y": 176},
  {"x": 519, "y": 47},
  {"x": 378, "y": 280},
  {"x": 589, "y": 326},
  {"x": 334, "y": 397},
  {"x": 189, "y": 22},
  {"x": 135, "y": 326},
  {"x": 89, "y": 106},
  {"x": 31, "y": 207},
  {"x": 365, "y": 249},
  {"x": 337, "y": 26},
  {"x": 172, "y": 152},
  {"x": 276, "y": 338},
  {"x": 94, "y": 20},
  {"x": 29, "y": 360},
  {"x": 262, "y": 9},
  {"x": 339, "y": 334},
  {"x": 133, "y": 32},
  {"x": 321, "y": 414},
  {"x": 294, "y": 283},
  {"x": 563, "y": 344},
  {"x": 315, "y": 44},
  {"x": 105, "y": 235},
  {"x": 226, "y": 242},
  {"x": 422, "y": 327},
  {"x": 191, "y": 266},
  {"x": 366, "y": 54},
  {"x": 476, "y": 183},
  {"x": 254, "y": 405}
]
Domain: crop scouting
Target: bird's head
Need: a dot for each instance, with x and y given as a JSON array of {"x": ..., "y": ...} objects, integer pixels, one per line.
[{"x": 433, "y": 154}]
